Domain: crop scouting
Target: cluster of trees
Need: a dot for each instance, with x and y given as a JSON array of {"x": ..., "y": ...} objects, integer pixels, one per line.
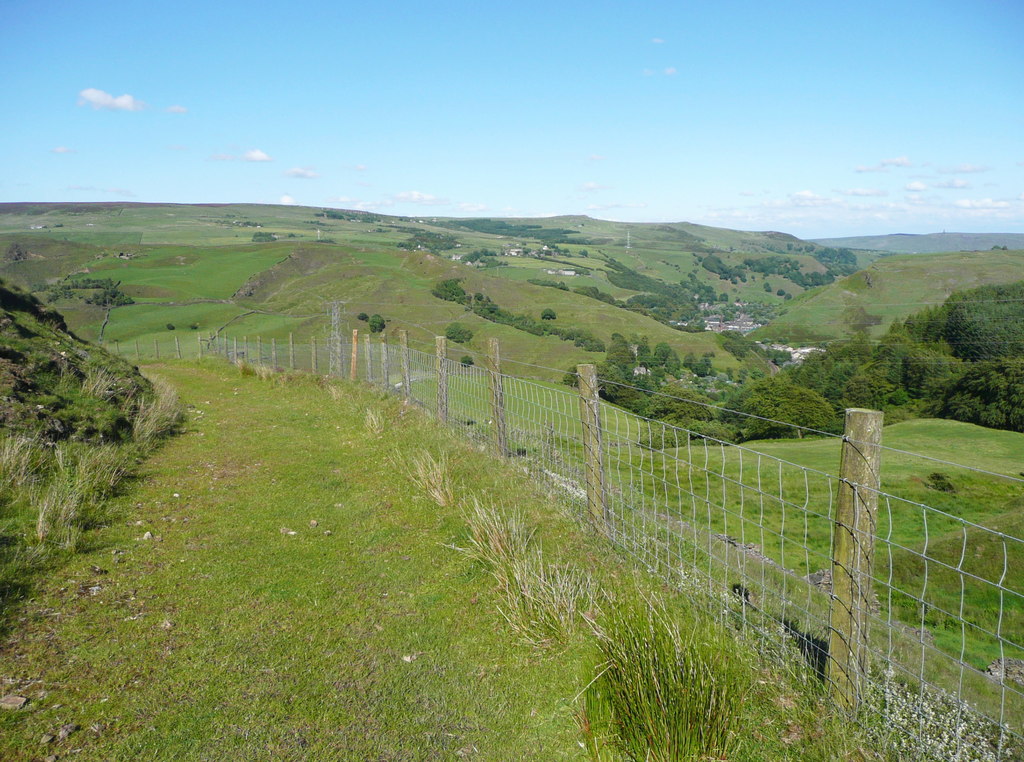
[
  {"x": 103, "y": 292},
  {"x": 433, "y": 242},
  {"x": 376, "y": 323},
  {"x": 480, "y": 304},
  {"x": 263, "y": 237},
  {"x": 549, "y": 236}
]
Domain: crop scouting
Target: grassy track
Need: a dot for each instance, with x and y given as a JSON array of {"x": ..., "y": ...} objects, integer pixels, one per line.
[{"x": 228, "y": 638}]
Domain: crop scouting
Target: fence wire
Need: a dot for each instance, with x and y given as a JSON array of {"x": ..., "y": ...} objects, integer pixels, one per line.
[{"x": 751, "y": 535}]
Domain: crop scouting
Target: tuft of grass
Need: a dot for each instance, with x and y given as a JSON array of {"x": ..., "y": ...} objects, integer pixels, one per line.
[
  {"x": 432, "y": 475},
  {"x": 100, "y": 383},
  {"x": 19, "y": 463},
  {"x": 158, "y": 416},
  {"x": 544, "y": 603},
  {"x": 246, "y": 368},
  {"x": 663, "y": 693},
  {"x": 374, "y": 421}
]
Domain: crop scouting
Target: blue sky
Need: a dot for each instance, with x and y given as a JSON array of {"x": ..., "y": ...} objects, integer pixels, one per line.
[{"x": 815, "y": 118}]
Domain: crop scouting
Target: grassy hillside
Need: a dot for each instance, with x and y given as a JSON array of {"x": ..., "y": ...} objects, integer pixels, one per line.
[
  {"x": 889, "y": 289},
  {"x": 931, "y": 243}
]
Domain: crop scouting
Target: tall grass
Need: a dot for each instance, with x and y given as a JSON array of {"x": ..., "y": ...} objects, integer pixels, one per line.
[
  {"x": 432, "y": 475},
  {"x": 20, "y": 463},
  {"x": 542, "y": 602},
  {"x": 663, "y": 692},
  {"x": 157, "y": 416}
]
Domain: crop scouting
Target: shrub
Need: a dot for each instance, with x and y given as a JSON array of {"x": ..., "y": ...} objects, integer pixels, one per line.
[
  {"x": 458, "y": 333},
  {"x": 170, "y": 326}
]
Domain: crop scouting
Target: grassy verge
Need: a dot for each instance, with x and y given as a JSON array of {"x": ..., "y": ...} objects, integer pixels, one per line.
[{"x": 282, "y": 585}]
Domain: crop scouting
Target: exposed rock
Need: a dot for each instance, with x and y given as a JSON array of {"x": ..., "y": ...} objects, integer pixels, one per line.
[
  {"x": 147, "y": 536},
  {"x": 314, "y": 523},
  {"x": 1006, "y": 670},
  {"x": 13, "y": 702},
  {"x": 821, "y": 579}
]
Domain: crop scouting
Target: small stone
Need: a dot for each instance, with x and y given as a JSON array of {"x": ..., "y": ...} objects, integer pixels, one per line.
[
  {"x": 66, "y": 730},
  {"x": 48, "y": 738},
  {"x": 51, "y": 758},
  {"x": 147, "y": 536},
  {"x": 328, "y": 532},
  {"x": 314, "y": 523},
  {"x": 98, "y": 570},
  {"x": 13, "y": 702},
  {"x": 167, "y": 624}
]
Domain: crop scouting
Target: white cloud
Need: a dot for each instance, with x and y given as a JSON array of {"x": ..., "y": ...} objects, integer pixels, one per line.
[
  {"x": 746, "y": 193},
  {"x": 899, "y": 161},
  {"x": 596, "y": 157},
  {"x": 592, "y": 186},
  {"x": 287, "y": 200},
  {"x": 884, "y": 165},
  {"x": 863, "y": 192},
  {"x": 808, "y": 198},
  {"x": 306, "y": 173},
  {"x": 981, "y": 203},
  {"x": 62, "y": 149},
  {"x": 176, "y": 109},
  {"x": 964, "y": 169},
  {"x": 423, "y": 199},
  {"x": 954, "y": 183},
  {"x": 222, "y": 157},
  {"x": 359, "y": 167},
  {"x": 916, "y": 185},
  {"x": 99, "y": 99},
  {"x": 657, "y": 40},
  {"x": 472, "y": 208},
  {"x": 670, "y": 70},
  {"x": 256, "y": 155}
]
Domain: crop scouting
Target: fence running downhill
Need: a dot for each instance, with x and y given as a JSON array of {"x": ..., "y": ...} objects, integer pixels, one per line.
[{"x": 912, "y": 615}]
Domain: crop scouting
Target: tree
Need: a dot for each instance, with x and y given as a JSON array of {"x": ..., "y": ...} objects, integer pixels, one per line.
[
  {"x": 362, "y": 316},
  {"x": 548, "y": 314},
  {"x": 376, "y": 323},
  {"x": 782, "y": 402},
  {"x": 450, "y": 290},
  {"x": 170, "y": 326},
  {"x": 990, "y": 394},
  {"x": 466, "y": 360},
  {"x": 458, "y": 333}
]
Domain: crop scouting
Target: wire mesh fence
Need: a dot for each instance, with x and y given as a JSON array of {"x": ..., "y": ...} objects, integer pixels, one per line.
[{"x": 926, "y": 644}]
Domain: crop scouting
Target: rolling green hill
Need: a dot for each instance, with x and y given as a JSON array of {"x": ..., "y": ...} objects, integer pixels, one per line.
[
  {"x": 931, "y": 243},
  {"x": 889, "y": 289}
]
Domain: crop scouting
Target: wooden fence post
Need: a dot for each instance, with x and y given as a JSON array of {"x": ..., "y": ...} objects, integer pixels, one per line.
[
  {"x": 199, "y": 344},
  {"x": 497, "y": 396},
  {"x": 291, "y": 351},
  {"x": 355, "y": 354},
  {"x": 117, "y": 347},
  {"x": 385, "y": 371},
  {"x": 273, "y": 352},
  {"x": 156, "y": 349},
  {"x": 403, "y": 338},
  {"x": 138, "y": 354},
  {"x": 441, "y": 368},
  {"x": 853, "y": 552},
  {"x": 590, "y": 415},
  {"x": 177, "y": 347},
  {"x": 259, "y": 349},
  {"x": 314, "y": 361}
]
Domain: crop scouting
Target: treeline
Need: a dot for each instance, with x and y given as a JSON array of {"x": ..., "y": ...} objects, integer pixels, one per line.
[{"x": 512, "y": 230}]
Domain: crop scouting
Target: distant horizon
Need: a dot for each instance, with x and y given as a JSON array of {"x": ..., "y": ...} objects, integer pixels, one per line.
[{"x": 499, "y": 216}]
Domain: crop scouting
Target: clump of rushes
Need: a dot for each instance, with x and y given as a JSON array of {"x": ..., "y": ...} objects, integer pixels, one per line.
[
  {"x": 374, "y": 422},
  {"x": 157, "y": 416},
  {"x": 662, "y": 693}
]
